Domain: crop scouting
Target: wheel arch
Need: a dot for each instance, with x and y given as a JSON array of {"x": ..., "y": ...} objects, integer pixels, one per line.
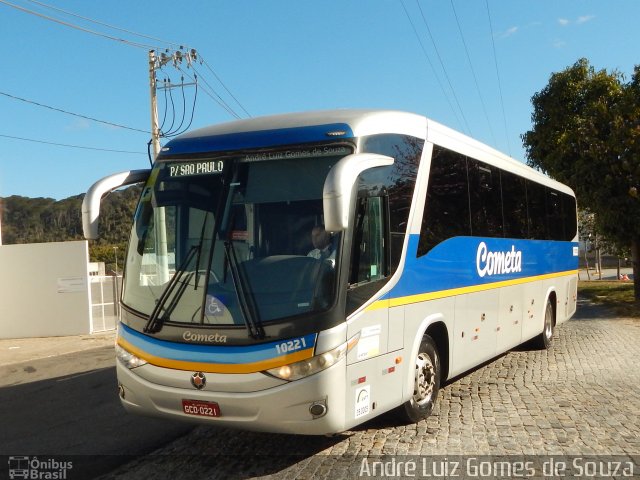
[{"x": 433, "y": 325}]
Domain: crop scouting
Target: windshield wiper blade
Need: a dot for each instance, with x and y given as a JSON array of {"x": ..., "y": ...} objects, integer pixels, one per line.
[
  {"x": 154, "y": 324},
  {"x": 247, "y": 305}
]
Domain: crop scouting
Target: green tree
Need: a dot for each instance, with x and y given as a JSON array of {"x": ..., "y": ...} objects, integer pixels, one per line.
[
  {"x": 34, "y": 220},
  {"x": 586, "y": 132}
]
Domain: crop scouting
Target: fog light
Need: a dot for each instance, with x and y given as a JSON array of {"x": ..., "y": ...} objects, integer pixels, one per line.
[{"x": 318, "y": 409}]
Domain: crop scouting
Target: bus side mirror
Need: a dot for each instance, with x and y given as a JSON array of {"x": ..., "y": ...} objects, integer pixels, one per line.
[
  {"x": 91, "y": 202},
  {"x": 336, "y": 195}
]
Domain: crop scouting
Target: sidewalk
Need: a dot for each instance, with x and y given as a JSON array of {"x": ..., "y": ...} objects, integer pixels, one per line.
[
  {"x": 26, "y": 349},
  {"x": 607, "y": 273}
]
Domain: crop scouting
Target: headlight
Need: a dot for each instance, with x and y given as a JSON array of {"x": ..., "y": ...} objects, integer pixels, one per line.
[
  {"x": 304, "y": 368},
  {"x": 128, "y": 359}
]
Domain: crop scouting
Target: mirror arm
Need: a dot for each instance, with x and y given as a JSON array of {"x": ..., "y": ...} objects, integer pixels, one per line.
[
  {"x": 91, "y": 202},
  {"x": 336, "y": 195}
]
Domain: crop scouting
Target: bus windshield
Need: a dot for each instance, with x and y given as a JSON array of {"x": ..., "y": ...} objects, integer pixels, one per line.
[{"x": 232, "y": 241}]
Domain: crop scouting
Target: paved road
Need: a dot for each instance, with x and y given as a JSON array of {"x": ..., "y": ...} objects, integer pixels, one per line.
[
  {"x": 68, "y": 405},
  {"x": 582, "y": 397}
]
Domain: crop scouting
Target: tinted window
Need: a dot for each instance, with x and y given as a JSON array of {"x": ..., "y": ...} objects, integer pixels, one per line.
[
  {"x": 485, "y": 199},
  {"x": 555, "y": 215},
  {"x": 446, "y": 212},
  {"x": 514, "y": 198},
  {"x": 536, "y": 211},
  {"x": 569, "y": 209}
]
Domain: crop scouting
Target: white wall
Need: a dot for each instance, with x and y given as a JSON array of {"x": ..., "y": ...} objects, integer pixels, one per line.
[{"x": 44, "y": 290}]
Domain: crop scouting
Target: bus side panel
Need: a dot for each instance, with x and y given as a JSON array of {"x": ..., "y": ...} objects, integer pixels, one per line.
[
  {"x": 374, "y": 386},
  {"x": 565, "y": 289},
  {"x": 533, "y": 308},
  {"x": 476, "y": 320},
  {"x": 509, "y": 329},
  {"x": 572, "y": 298}
]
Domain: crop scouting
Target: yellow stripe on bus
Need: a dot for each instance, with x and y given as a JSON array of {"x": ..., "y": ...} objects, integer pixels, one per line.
[
  {"x": 423, "y": 297},
  {"x": 216, "y": 367}
]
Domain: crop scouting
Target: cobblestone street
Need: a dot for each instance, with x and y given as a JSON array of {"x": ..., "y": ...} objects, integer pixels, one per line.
[{"x": 582, "y": 397}]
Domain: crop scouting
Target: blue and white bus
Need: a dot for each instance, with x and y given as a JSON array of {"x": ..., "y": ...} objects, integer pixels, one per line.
[{"x": 304, "y": 273}]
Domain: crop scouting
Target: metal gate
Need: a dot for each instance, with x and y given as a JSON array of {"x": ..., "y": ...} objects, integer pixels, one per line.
[{"x": 105, "y": 302}]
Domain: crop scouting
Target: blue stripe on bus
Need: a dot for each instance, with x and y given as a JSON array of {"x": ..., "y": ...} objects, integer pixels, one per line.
[
  {"x": 218, "y": 354},
  {"x": 458, "y": 263},
  {"x": 256, "y": 139}
]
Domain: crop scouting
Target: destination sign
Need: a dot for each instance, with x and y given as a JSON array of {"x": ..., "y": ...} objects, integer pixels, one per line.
[
  {"x": 200, "y": 167},
  {"x": 326, "y": 151}
]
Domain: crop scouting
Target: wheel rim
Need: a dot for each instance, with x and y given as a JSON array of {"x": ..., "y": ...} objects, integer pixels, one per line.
[
  {"x": 548, "y": 322},
  {"x": 425, "y": 379}
]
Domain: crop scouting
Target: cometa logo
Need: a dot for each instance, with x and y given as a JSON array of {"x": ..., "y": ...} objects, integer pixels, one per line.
[
  {"x": 495, "y": 263},
  {"x": 202, "y": 337}
]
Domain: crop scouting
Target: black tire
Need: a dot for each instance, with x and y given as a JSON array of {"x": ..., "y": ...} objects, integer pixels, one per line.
[
  {"x": 545, "y": 339},
  {"x": 426, "y": 383}
]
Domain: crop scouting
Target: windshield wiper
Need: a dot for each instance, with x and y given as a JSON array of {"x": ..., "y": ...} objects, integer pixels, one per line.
[
  {"x": 154, "y": 324},
  {"x": 247, "y": 304}
]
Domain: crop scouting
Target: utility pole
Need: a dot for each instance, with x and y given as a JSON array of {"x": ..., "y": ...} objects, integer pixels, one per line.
[
  {"x": 156, "y": 62},
  {"x": 155, "y": 128},
  {"x": 162, "y": 256}
]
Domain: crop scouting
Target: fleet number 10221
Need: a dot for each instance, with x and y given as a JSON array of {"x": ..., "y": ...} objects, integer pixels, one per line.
[{"x": 291, "y": 346}]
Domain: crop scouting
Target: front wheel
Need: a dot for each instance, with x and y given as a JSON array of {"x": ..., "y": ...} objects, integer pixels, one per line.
[
  {"x": 545, "y": 339},
  {"x": 426, "y": 383}
]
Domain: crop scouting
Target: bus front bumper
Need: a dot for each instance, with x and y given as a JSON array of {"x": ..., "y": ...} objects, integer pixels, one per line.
[{"x": 282, "y": 409}]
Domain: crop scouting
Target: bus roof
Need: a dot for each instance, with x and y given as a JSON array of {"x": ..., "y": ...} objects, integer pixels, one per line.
[{"x": 316, "y": 126}]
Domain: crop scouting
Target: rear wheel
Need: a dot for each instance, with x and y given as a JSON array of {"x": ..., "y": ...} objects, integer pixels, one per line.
[
  {"x": 426, "y": 383},
  {"x": 545, "y": 339}
]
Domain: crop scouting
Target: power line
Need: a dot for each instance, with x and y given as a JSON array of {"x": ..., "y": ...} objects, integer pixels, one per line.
[
  {"x": 68, "y": 145},
  {"x": 224, "y": 86},
  {"x": 433, "y": 69},
  {"x": 77, "y": 27},
  {"x": 444, "y": 69},
  {"x": 149, "y": 37},
  {"x": 212, "y": 94},
  {"x": 473, "y": 72},
  {"x": 495, "y": 59},
  {"x": 72, "y": 113}
]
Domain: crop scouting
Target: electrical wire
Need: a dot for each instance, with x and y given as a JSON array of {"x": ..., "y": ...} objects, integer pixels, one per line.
[
  {"x": 495, "y": 59},
  {"x": 444, "y": 69},
  {"x": 213, "y": 95},
  {"x": 173, "y": 107},
  {"x": 77, "y": 27},
  {"x": 148, "y": 37},
  {"x": 171, "y": 132},
  {"x": 433, "y": 69},
  {"x": 164, "y": 116},
  {"x": 180, "y": 131},
  {"x": 24, "y": 139},
  {"x": 473, "y": 72},
  {"x": 204, "y": 62},
  {"x": 86, "y": 117}
]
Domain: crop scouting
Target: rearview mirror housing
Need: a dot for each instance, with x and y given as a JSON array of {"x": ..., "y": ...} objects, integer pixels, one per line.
[
  {"x": 336, "y": 194},
  {"x": 91, "y": 202}
]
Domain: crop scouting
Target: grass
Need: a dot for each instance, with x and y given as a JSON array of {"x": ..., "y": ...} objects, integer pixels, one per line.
[{"x": 619, "y": 296}]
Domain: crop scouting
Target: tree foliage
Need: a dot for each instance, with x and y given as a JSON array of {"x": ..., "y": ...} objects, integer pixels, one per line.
[
  {"x": 586, "y": 133},
  {"x": 38, "y": 220}
]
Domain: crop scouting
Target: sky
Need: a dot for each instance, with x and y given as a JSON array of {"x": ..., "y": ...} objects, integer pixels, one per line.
[{"x": 472, "y": 65}]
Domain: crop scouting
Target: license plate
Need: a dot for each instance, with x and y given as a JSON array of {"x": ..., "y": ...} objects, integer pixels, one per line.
[{"x": 201, "y": 408}]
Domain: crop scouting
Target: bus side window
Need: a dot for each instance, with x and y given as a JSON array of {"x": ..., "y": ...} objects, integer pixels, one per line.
[{"x": 369, "y": 257}]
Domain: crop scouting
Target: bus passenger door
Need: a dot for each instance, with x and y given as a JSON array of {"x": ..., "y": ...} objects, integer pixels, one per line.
[{"x": 371, "y": 370}]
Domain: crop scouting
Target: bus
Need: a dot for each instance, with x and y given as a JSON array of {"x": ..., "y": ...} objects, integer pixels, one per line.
[{"x": 304, "y": 273}]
